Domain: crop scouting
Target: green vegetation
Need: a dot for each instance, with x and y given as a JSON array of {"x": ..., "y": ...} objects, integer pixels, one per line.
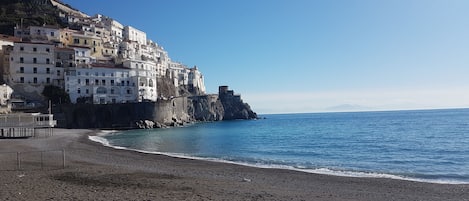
[
  {"x": 33, "y": 13},
  {"x": 56, "y": 94}
]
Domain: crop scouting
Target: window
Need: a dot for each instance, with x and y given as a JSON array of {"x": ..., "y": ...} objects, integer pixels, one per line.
[
  {"x": 47, "y": 50},
  {"x": 58, "y": 72},
  {"x": 79, "y": 81},
  {"x": 35, "y": 80},
  {"x": 21, "y": 60},
  {"x": 87, "y": 91},
  {"x": 87, "y": 74},
  {"x": 129, "y": 91},
  {"x": 34, "y": 49},
  {"x": 128, "y": 83},
  {"x": 87, "y": 82},
  {"x": 35, "y": 70},
  {"x": 52, "y": 33},
  {"x": 21, "y": 69},
  {"x": 22, "y": 79},
  {"x": 47, "y": 80},
  {"x": 70, "y": 56},
  {"x": 78, "y": 91},
  {"x": 122, "y": 83},
  {"x": 34, "y": 60},
  {"x": 86, "y": 42},
  {"x": 112, "y": 91},
  {"x": 112, "y": 82},
  {"x": 79, "y": 73},
  {"x": 76, "y": 41},
  {"x": 47, "y": 61},
  {"x": 70, "y": 64},
  {"x": 103, "y": 74},
  {"x": 96, "y": 74},
  {"x": 101, "y": 90},
  {"x": 103, "y": 82},
  {"x": 96, "y": 82},
  {"x": 48, "y": 70},
  {"x": 21, "y": 48}
]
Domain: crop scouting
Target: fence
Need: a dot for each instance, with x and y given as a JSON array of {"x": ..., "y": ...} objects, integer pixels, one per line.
[{"x": 32, "y": 160}]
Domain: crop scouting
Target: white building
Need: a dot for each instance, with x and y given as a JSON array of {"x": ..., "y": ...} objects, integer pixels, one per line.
[
  {"x": 33, "y": 64},
  {"x": 103, "y": 83},
  {"x": 196, "y": 80},
  {"x": 143, "y": 73},
  {"x": 39, "y": 33},
  {"x": 116, "y": 29},
  {"x": 179, "y": 73},
  {"x": 83, "y": 57},
  {"x": 134, "y": 34}
]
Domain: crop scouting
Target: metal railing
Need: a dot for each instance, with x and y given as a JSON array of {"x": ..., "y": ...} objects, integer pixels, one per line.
[{"x": 32, "y": 160}]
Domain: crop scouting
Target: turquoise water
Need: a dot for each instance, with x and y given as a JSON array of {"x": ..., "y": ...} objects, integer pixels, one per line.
[{"x": 426, "y": 145}]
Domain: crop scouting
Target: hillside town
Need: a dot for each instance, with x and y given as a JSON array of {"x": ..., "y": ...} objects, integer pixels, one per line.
[{"x": 96, "y": 59}]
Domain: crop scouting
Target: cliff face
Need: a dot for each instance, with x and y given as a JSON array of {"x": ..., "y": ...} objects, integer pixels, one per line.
[
  {"x": 172, "y": 112},
  {"x": 234, "y": 107},
  {"x": 206, "y": 108}
]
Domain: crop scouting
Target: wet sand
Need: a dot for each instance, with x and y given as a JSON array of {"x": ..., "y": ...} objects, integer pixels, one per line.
[{"x": 96, "y": 172}]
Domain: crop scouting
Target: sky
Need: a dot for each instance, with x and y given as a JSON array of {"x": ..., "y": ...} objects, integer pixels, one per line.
[{"x": 298, "y": 56}]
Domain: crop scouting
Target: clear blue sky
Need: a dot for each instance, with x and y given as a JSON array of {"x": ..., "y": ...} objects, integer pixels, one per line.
[{"x": 314, "y": 55}]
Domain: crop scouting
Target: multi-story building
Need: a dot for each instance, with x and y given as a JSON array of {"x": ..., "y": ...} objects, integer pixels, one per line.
[
  {"x": 143, "y": 73},
  {"x": 116, "y": 29},
  {"x": 196, "y": 80},
  {"x": 105, "y": 83},
  {"x": 88, "y": 40},
  {"x": 39, "y": 33},
  {"x": 64, "y": 62},
  {"x": 83, "y": 57},
  {"x": 133, "y": 34},
  {"x": 33, "y": 64},
  {"x": 6, "y": 46}
]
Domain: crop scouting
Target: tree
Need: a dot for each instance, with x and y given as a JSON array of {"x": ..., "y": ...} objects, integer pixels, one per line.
[{"x": 56, "y": 94}]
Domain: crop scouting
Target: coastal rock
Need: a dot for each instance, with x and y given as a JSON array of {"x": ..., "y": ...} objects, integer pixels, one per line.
[
  {"x": 176, "y": 111},
  {"x": 205, "y": 108},
  {"x": 145, "y": 124},
  {"x": 234, "y": 107}
]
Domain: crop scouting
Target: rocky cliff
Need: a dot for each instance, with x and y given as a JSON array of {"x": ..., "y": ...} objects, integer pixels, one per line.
[{"x": 163, "y": 113}]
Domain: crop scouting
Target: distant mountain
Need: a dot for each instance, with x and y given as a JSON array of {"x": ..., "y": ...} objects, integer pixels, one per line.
[{"x": 27, "y": 12}]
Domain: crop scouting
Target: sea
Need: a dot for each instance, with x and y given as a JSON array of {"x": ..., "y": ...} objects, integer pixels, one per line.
[{"x": 422, "y": 145}]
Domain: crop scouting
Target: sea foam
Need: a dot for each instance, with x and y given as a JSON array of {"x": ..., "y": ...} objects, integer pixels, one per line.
[{"x": 324, "y": 171}]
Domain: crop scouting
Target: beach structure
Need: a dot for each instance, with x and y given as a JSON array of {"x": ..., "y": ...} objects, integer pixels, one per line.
[{"x": 22, "y": 125}]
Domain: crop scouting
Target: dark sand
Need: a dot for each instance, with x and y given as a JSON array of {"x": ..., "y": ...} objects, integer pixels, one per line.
[{"x": 96, "y": 172}]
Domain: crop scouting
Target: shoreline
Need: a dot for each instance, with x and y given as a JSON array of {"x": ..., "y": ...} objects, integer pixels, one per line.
[
  {"x": 98, "y": 172},
  {"x": 99, "y": 138}
]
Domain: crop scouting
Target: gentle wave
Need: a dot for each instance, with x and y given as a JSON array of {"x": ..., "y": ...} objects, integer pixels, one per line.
[{"x": 324, "y": 171}]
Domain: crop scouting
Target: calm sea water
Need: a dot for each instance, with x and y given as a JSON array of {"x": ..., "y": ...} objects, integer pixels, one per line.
[{"x": 426, "y": 145}]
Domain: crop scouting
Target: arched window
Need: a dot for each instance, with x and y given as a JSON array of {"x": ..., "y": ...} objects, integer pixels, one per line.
[{"x": 150, "y": 83}]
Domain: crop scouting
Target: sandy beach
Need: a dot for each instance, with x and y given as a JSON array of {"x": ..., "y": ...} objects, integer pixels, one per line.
[{"x": 96, "y": 172}]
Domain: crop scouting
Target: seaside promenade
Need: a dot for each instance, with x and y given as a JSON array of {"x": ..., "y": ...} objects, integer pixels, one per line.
[{"x": 96, "y": 172}]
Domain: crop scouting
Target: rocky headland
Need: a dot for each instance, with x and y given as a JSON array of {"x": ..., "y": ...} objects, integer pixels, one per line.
[{"x": 167, "y": 112}]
